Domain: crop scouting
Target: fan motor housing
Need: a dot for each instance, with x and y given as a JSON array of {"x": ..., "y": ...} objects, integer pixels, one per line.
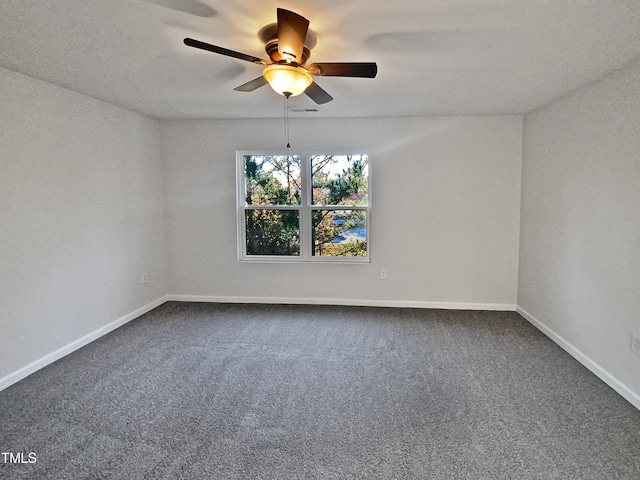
[{"x": 272, "y": 50}]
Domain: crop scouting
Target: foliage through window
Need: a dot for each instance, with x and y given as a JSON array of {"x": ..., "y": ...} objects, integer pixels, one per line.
[{"x": 303, "y": 207}]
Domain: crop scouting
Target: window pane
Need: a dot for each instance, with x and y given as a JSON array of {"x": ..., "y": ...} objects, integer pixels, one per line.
[
  {"x": 272, "y": 179},
  {"x": 339, "y": 233},
  {"x": 340, "y": 179},
  {"x": 272, "y": 232}
]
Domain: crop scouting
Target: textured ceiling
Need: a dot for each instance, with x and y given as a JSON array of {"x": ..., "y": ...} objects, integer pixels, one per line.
[{"x": 435, "y": 57}]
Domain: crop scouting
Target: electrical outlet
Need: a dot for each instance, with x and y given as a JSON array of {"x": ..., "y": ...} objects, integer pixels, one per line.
[
  {"x": 383, "y": 274},
  {"x": 145, "y": 278},
  {"x": 635, "y": 343}
]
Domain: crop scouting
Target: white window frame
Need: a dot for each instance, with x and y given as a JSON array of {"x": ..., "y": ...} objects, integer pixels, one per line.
[{"x": 305, "y": 209}]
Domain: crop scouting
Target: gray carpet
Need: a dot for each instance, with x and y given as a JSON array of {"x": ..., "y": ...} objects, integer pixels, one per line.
[{"x": 199, "y": 391}]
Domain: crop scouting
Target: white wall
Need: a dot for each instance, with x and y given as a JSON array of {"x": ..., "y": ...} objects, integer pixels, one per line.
[
  {"x": 445, "y": 217},
  {"x": 580, "y": 237},
  {"x": 81, "y": 218}
]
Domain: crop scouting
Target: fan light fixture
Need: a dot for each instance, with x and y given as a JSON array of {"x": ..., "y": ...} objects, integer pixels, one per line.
[
  {"x": 287, "y": 79},
  {"x": 287, "y": 73}
]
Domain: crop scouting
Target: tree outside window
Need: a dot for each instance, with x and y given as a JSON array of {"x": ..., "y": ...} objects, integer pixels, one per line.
[{"x": 303, "y": 207}]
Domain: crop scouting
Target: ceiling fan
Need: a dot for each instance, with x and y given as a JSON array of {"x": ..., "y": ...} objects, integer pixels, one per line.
[{"x": 287, "y": 73}]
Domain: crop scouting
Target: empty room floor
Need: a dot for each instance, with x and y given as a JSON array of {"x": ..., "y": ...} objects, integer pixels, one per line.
[{"x": 235, "y": 391}]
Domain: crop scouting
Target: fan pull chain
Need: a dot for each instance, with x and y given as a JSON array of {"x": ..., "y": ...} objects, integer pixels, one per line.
[{"x": 286, "y": 117}]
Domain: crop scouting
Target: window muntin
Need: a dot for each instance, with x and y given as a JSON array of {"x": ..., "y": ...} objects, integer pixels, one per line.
[{"x": 303, "y": 207}]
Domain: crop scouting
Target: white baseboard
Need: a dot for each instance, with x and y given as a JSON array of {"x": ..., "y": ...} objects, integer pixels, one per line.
[
  {"x": 631, "y": 396},
  {"x": 75, "y": 345},
  {"x": 342, "y": 301}
]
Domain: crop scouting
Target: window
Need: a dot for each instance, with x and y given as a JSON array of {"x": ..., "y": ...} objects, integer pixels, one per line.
[{"x": 303, "y": 207}]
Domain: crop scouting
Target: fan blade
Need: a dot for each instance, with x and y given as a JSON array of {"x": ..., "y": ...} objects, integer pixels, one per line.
[
  {"x": 252, "y": 85},
  {"x": 317, "y": 94},
  {"x": 292, "y": 31},
  {"x": 354, "y": 69},
  {"x": 223, "y": 51}
]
